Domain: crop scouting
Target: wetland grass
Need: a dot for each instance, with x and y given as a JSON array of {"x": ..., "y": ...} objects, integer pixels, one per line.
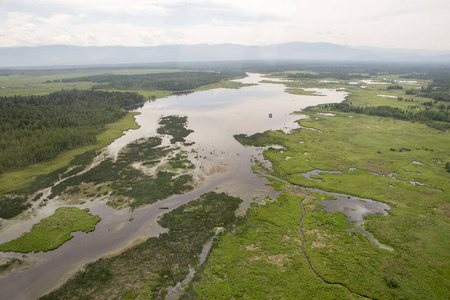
[
  {"x": 53, "y": 231},
  {"x": 148, "y": 270},
  {"x": 417, "y": 226}
]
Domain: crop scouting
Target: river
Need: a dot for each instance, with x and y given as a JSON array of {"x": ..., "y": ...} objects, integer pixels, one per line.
[{"x": 222, "y": 164}]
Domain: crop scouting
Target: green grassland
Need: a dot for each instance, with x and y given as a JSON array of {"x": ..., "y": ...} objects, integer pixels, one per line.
[
  {"x": 370, "y": 96},
  {"x": 53, "y": 231},
  {"x": 16, "y": 87},
  {"x": 152, "y": 95},
  {"x": 370, "y": 144},
  {"x": 357, "y": 91},
  {"x": 262, "y": 258},
  {"x": 299, "y": 91}
]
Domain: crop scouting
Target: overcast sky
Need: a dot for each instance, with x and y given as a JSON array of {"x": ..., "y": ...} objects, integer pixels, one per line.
[{"x": 417, "y": 24}]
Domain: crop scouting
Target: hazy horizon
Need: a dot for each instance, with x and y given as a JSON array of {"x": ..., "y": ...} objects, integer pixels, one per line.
[
  {"x": 66, "y": 55},
  {"x": 237, "y": 44}
]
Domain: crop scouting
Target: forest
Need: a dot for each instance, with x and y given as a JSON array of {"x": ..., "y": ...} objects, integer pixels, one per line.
[
  {"x": 426, "y": 116},
  {"x": 435, "y": 112},
  {"x": 335, "y": 75},
  {"x": 438, "y": 89},
  {"x": 37, "y": 128},
  {"x": 177, "y": 81}
]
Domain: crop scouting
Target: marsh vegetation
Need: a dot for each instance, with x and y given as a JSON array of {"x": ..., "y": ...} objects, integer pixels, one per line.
[
  {"x": 121, "y": 181},
  {"x": 368, "y": 167},
  {"x": 53, "y": 231},
  {"x": 150, "y": 269}
]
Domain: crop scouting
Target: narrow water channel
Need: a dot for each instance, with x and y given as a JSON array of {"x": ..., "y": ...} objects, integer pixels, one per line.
[{"x": 221, "y": 163}]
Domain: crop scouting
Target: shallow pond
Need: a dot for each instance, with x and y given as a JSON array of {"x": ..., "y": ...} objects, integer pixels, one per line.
[{"x": 356, "y": 209}]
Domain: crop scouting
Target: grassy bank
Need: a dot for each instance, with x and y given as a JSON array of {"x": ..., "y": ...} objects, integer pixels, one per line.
[
  {"x": 225, "y": 84},
  {"x": 52, "y": 232}
]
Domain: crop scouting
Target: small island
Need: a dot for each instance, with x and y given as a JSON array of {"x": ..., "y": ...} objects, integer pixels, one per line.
[{"x": 52, "y": 232}]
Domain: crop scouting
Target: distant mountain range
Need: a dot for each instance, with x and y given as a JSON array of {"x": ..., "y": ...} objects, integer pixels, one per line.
[{"x": 61, "y": 55}]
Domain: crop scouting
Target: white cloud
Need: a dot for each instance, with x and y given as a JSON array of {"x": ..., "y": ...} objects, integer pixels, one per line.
[
  {"x": 383, "y": 23},
  {"x": 134, "y": 7}
]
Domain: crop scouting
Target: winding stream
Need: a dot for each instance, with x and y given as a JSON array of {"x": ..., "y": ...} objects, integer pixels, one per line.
[{"x": 222, "y": 164}]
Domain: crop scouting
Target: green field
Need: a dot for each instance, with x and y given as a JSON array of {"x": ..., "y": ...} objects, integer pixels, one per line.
[
  {"x": 262, "y": 258},
  {"x": 53, "y": 231}
]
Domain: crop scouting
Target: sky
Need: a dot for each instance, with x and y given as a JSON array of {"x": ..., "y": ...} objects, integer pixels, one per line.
[{"x": 410, "y": 24}]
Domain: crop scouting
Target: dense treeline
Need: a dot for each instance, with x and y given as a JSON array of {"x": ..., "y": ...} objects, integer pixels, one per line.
[
  {"x": 370, "y": 68},
  {"x": 336, "y": 75},
  {"x": 438, "y": 89},
  {"x": 394, "y": 87},
  {"x": 177, "y": 81},
  {"x": 37, "y": 128},
  {"x": 394, "y": 112},
  {"x": 264, "y": 66},
  {"x": 435, "y": 114}
]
